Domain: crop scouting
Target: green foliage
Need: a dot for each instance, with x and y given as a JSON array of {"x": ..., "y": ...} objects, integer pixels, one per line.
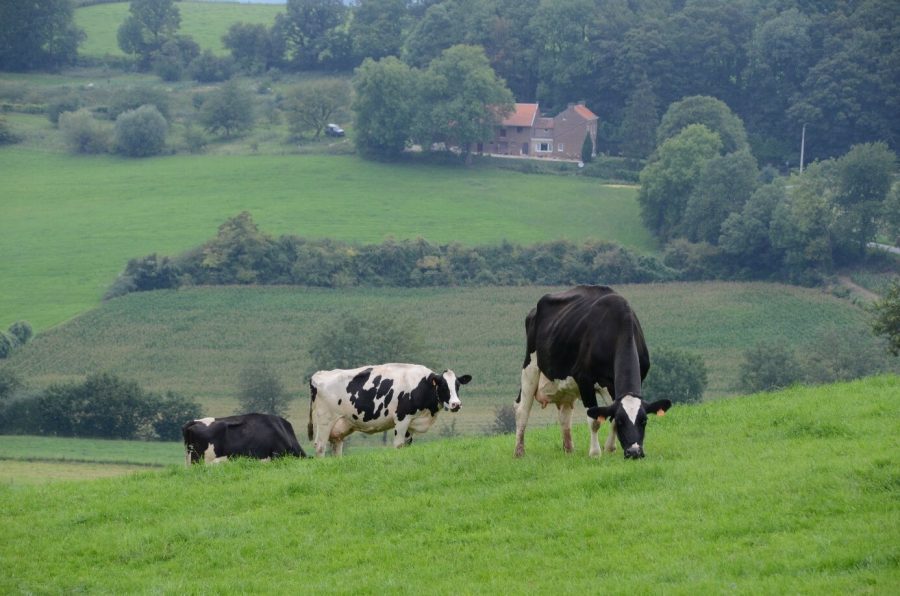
[
  {"x": 149, "y": 26},
  {"x": 587, "y": 149},
  {"x": 260, "y": 390},
  {"x": 677, "y": 375},
  {"x": 141, "y": 132},
  {"x": 708, "y": 111},
  {"x": 309, "y": 107},
  {"x": 886, "y": 317},
  {"x": 7, "y": 136},
  {"x": 39, "y": 34},
  {"x": 842, "y": 355},
  {"x": 209, "y": 68},
  {"x": 504, "y": 422},
  {"x": 237, "y": 254},
  {"x": 10, "y": 382},
  {"x": 353, "y": 339},
  {"x": 669, "y": 179},
  {"x": 8, "y": 343},
  {"x": 173, "y": 58},
  {"x": 311, "y": 31},
  {"x": 84, "y": 133},
  {"x": 227, "y": 110},
  {"x": 383, "y": 107},
  {"x": 148, "y": 273},
  {"x": 253, "y": 47},
  {"x": 376, "y": 29},
  {"x": 640, "y": 121},
  {"x": 769, "y": 366},
  {"x": 22, "y": 331},
  {"x": 461, "y": 100},
  {"x": 133, "y": 97}
]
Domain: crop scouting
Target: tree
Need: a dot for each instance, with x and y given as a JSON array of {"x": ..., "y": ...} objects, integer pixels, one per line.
[
  {"x": 22, "y": 331},
  {"x": 10, "y": 383},
  {"x": 309, "y": 107},
  {"x": 864, "y": 177},
  {"x": 640, "y": 121},
  {"x": 376, "y": 29},
  {"x": 209, "y": 68},
  {"x": 461, "y": 100},
  {"x": 676, "y": 375},
  {"x": 307, "y": 26},
  {"x": 254, "y": 47},
  {"x": 352, "y": 339},
  {"x": 746, "y": 240},
  {"x": 383, "y": 107},
  {"x": 228, "y": 110},
  {"x": 669, "y": 179},
  {"x": 141, "y": 132},
  {"x": 148, "y": 26},
  {"x": 38, "y": 34},
  {"x": 587, "y": 149},
  {"x": 886, "y": 317},
  {"x": 7, "y": 136},
  {"x": 710, "y": 112},
  {"x": 769, "y": 366},
  {"x": 261, "y": 391},
  {"x": 725, "y": 184},
  {"x": 236, "y": 254}
]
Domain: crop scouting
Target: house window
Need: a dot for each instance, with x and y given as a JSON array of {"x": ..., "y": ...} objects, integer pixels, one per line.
[
  {"x": 502, "y": 132},
  {"x": 559, "y": 147},
  {"x": 543, "y": 147},
  {"x": 518, "y": 129}
]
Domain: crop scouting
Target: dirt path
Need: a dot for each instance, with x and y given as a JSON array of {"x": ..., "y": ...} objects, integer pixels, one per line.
[{"x": 867, "y": 295}]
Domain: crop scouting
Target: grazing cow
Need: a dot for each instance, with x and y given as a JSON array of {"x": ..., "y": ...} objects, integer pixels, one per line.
[
  {"x": 371, "y": 399},
  {"x": 262, "y": 436},
  {"x": 580, "y": 343}
]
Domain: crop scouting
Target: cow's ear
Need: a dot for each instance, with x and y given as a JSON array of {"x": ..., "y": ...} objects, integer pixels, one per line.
[
  {"x": 433, "y": 379},
  {"x": 658, "y": 407},
  {"x": 602, "y": 412},
  {"x": 463, "y": 380}
]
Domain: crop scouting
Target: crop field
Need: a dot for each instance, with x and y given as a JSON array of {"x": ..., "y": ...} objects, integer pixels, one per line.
[
  {"x": 206, "y": 22},
  {"x": 196, "y": 341},
  {"x": 67, "y": 235},
  {"x": 775, "y": 493}
]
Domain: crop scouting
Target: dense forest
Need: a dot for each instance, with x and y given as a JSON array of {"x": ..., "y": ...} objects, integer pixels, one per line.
[{"x": 832, "y": 66}]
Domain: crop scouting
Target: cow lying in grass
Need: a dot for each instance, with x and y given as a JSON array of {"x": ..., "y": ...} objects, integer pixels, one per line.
[{"x": 261, "y": 436}]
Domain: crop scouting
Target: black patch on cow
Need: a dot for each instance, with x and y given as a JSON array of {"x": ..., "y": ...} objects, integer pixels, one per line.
[
  {"x": 370, "y": 402},
  {"x": 249, "y": 435},
  {"x": 424, "y": 396}
]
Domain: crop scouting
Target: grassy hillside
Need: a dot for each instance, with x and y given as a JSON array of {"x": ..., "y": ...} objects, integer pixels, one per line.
[
  {"x": 206, "y": 22},
  {"x": 67, "y": 235},
  {"x": 196, "y": 341},
  {"x": 794, "y": 492}
]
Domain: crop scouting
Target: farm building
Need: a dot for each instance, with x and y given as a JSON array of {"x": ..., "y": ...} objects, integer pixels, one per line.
[{"x": 526, "y": 133}]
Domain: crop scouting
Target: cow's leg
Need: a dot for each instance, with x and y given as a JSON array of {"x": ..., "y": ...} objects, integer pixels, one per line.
[
  {"x": 530, "y": 375},
  {"x": 611, "y": 439},
  {"x": 594, "y": 451},
  {"x": 402, "y": 436},
  {"x": 595, "y": 427},
  {"x": 337, "y": 447},
  {"x": 565, "y": 425}
]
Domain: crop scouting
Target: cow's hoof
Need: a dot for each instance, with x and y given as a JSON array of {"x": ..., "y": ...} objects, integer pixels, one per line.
[
  {"x": 595, "y": 453},
  {"x": 520, "y": 451}
]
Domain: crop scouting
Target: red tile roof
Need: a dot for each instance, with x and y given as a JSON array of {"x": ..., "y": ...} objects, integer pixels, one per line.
[
  {"x": 523, "y": 115},
  {"x": 584, "y": 112}
]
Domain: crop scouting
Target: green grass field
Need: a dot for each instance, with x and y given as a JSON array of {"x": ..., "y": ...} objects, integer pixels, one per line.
[
  {"x": 196, "y": 341},
  {"x": 71, "y": 223},
  {"x": 206, "y": 22},
  {"x": 787, "y": 493}
]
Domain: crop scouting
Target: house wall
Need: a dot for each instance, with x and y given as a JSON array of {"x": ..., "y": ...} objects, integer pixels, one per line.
[
  {"x": 512, "y": 142},
  {"x": 569, "y": 130}
]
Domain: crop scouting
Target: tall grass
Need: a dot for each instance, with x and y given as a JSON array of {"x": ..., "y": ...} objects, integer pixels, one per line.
[
  {"x": 206, "y": 22},
  {"x": 71, "y": 223},
  {"x": 787, "y": 493}
]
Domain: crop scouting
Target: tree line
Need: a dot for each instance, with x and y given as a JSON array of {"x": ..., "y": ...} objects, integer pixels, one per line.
[{"x": 777, "y": 65}]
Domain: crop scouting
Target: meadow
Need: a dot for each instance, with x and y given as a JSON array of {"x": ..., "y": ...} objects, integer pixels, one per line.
[
  {"x": 196, "y": 341},
  {"x": 778, "y": 493},
  {"x": 206, "y": 22},
  {"x": 72, "y": 222}
]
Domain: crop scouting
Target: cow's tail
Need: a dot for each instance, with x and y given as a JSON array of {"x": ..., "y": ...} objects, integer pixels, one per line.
[{"x": 312, "y": 404}]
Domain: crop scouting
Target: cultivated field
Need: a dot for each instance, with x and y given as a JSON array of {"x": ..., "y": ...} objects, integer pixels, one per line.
[
  {"x": 775, "y": 494},
  {"x": 206, "y": 22},
  {"x": 71, "y": 223},
  {"x": 196, "y": 341}
]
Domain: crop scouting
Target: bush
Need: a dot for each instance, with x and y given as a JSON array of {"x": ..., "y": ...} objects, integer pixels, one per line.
[
  {"x": 228, "y": 110},
  {"x": 676, "y": 375},
  {"x": 7, "y": 136},
  {"x": 141, "y": 132},
  {"x": 84, "y": 133},
  {"x": 209, "y": 68},
  {"x": 22, "y": 331},
  {"x": 134, "y": 97},
  {"x": 194, "y": 139},
  {"x": 504, "y": 420},
  {"x": 172, "y": 411},
  {"x": 144, "y": 274},
  {"x": 61, "y": 105},
  {"x": 841, "y": 355},
  {"x": 769, "y": 366},
  {"x": 10, "y": 382},
  {"x": 260, "y": 390},
  {"x": 886, "y": 317}
]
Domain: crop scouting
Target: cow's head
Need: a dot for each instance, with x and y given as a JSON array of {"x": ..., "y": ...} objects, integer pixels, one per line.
[
  {"x": 629, "y": 414},
  {"x": 447, "y": 386}
]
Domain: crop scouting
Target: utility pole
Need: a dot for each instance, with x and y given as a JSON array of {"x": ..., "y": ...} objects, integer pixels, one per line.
[{"x": 802, "y": 145}]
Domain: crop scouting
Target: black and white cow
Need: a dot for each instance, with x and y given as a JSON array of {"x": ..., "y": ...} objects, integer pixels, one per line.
[
  {"x": 371, "y": 399},
  {"x": 262, "y": 436},
  {"x": 580, "y": 343}
]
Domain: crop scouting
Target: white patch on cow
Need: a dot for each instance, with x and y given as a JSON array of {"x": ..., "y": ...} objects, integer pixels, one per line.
[
  {"x": 205, "y": 421},
  {"x": 450, "y": 377},
  {"x": 209, "y": 456},
  {"x": 631, "y": 405}
]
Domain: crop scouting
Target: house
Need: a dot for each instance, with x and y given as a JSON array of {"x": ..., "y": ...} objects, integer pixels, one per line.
[{"x": 525, "y": 133}]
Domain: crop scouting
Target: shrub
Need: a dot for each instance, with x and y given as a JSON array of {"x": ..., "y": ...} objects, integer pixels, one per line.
[
  {"x": 676, "y": 375},
  {"x": 504, "y": 420},
  {"x": 769, "y": 366},
  {"x": 228, "y": 110},
  {"x": 84, "y": 133},
  {"x": 132, "y": 98},
  {"x": 141, "y": 132},
  {"x": 261, "y": 390},
  {"x": 7, "y": 136},
  {"x": 841, "y": 355},
  {"x": 209, "y": 68},
  {"x": 22, "y": 331},
  {"x": 194, "y": 139},
  {"x": 61, "y": 105},
  {"x": 10, "y": 382},
  {"x": 886, "y": 318},
  {"x": 172, "y": 411},
  {"x": 144, "y": 274}
]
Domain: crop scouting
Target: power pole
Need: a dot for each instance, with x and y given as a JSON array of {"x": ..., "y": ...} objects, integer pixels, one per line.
[{"x": 802, "y": 145}]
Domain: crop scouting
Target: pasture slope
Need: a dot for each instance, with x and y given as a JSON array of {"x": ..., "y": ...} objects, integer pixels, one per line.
[{"x": 793, "y": 492}]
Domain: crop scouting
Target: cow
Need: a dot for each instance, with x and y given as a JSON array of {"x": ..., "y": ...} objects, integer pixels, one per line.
[
  {"x": 262, "y": 436},
  {"x": 377, "y": 398},
  {"x": 581, "y": 343}
]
